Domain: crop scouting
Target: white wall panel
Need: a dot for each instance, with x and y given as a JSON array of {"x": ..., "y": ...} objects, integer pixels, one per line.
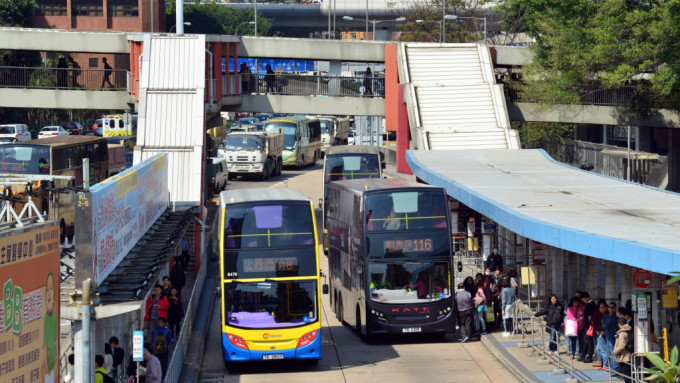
[{"x": 172, "y": 111}]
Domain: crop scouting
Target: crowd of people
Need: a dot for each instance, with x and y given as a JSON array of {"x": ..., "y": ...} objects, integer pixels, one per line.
[
  {"x": 597, "y": 332},
  {"x": 485, "y": 302}
]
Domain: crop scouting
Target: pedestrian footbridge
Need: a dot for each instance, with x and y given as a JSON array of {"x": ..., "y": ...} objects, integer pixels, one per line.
[{"x": 452, "y": 98}]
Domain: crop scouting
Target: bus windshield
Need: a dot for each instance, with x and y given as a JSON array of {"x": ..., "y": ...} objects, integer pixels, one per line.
[
  {"x": 289, "y": 132},
  {"x": 351, "y": 166},
  {"x": 25, "y": 159},
  {"x": 268, "y": 226},
  {"x": 270, "y": 304},
  {"x": 405, "y": 210},
  {"x": 408, "y": 282}
]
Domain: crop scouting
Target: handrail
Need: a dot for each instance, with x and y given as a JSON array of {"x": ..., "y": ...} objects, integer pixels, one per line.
[{"x": 64, "y": 78}]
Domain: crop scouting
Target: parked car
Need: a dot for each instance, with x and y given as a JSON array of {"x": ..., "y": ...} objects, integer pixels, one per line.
[
  {"x": 219, "y": 174},
  {"x": 52, "y": 131},
  {"x": 98, "y": 128},
  {"x": 14, "y": 133},
  {"x": 73, "y": 127}
]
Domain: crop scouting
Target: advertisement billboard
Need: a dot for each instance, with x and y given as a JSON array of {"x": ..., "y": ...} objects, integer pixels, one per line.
[
  {"x": 116, "y": 213},
  {"x": 29, "y": 314},
  {"x": 278, "y": 65}
]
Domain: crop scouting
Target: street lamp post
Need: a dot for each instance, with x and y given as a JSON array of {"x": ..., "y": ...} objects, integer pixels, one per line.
[
  {"x": 187, "y": 23},
  {"x": 245, "y": 22},
  {"x": 454, "y": 17},
  {"x": 442, "y": 25},
  {"x": 374, "y": 22}
]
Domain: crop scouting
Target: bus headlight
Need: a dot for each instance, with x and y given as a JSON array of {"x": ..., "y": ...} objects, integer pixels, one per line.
[
  {"x": 237, "y": 341},
  {"x": 308, "y": 338},
  {"x": 443, "y": 313},
  {"x": 379, "y": 315},
  {"x": 292, "y": 157}
]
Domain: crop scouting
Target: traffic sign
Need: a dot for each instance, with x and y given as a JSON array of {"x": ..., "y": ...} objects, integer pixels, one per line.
[
  {"x": 642, "y": 278},
  {"x": 138, "y": 346}
]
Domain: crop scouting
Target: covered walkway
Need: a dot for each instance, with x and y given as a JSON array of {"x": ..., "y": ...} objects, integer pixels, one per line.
[{"x": 578, "y": 230}]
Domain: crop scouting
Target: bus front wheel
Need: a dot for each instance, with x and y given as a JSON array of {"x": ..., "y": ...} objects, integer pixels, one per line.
[{"x": 358, "y": 323}]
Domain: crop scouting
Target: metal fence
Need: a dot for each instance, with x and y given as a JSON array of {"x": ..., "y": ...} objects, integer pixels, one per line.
[
  {"x": 296, "y": 84},
  {"x": 524, "y": 323},
  {"x": 176, "y": 362},
  {"x": 64, "y": 78},
  {"x": 588, "y": 95}
]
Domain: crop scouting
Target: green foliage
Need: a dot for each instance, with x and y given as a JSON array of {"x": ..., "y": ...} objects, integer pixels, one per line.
[
  {"x": 608, "y": 44},
  {"x": 662, "y": 372},
  {"x": 544, "y": 135},
  {"x": 430, "y": 11},
  {"x": 213, "y": 18},
  {"x": 17, "y": 13}
]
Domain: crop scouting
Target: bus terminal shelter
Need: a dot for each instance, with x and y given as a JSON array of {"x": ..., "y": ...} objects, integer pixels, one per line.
[{"x": 578, "y": 230}]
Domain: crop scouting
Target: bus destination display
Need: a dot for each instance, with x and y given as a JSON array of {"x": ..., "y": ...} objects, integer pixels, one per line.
[
  {"x": 270, "y": 264},
  {"x": 408, "y": 245}
]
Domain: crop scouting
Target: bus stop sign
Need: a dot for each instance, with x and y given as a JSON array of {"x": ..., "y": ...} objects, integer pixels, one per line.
[{"x": 642, "y": 278}]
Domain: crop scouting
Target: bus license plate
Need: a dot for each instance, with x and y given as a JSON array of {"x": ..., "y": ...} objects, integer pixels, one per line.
[
  {"x": 411, "y": 329},
  {"x": 272, "y": 356}
]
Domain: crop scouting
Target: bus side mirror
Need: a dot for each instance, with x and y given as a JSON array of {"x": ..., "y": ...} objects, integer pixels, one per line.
[
  {"x": 459, "y": 266},
  {"x": 324, "y": 288},
  {"x": 320, "y": 205}
]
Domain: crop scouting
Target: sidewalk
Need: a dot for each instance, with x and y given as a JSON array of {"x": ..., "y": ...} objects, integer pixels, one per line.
[{"x": 529, "y": 365}]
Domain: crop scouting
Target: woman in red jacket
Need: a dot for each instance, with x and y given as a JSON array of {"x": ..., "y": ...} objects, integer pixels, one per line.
[{"x": 156, "y": 307}]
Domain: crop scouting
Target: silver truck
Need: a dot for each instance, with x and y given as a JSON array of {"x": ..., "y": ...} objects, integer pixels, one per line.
[
  {"x": 334, "y": 131},
  {"x": 253, "y": 153}
]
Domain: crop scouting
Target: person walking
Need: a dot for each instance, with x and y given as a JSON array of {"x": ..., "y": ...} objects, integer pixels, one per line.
[
  {"x": 75, "y": 72},
  {"x": 185, "y": 251},
  {"x": 154, "y": 371},
  {"x": 554, "y": 313},
  {"x": 608, "y": 327},
  {"x": 494, "y": 260},
  {"x": 156, "y": 307},
  {"x": 589, "y": 309},
  {"x": 107, "y": 74},
  {"x": 118, "y": 356},
  {"x": 621, "y": 352},
  {"x": 177, "y": 277},
  {"x": 368, "y": 82},
  {"x": 574, "y": 329},
  {"x": 62, "y": 73},
  {"x": 480, "y": 303},
  {"x": 244, "y": 71},
  {"x": 175, "y": 311},
  {"x": 507, "y": 299},
  {"x": 466, "y": 312},
  {"x": 161, "y": 337},
  {"x": 270, "y": 79}
]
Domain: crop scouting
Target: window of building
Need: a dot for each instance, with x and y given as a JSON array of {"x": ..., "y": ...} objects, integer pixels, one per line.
[
  {"x": 87, "y": 7},
  {"x": 94, "y": 62},
  {"x": 124, "y": 8},
  {"x": 51, "y": 8}
]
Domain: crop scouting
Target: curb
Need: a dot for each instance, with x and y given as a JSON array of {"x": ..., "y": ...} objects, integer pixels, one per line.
[{"x": 507, "y": 360}]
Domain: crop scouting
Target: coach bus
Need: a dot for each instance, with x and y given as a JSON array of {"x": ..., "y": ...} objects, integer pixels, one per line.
[
  {"x": 57, "y": 156},
  {"x": 348, "y": 162},
  {"x": 390, "y": 264},
  {"x": 270, "y": 276},
  {"x": 301, "y": 139}
]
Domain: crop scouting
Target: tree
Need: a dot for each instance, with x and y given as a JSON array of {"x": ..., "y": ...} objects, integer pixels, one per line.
[
  {"x": 544, "y": 135},
  {"x": 607, "y": 44},
  {"x": 218, "y": 19},
  {"x": 17, "y": 13},
  {"x": 430, "y": 12}
]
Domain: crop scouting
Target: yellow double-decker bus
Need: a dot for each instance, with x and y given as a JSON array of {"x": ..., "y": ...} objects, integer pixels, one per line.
[
  {"x": 301, "y": 139},
  {"x": 270, "y": 276}
]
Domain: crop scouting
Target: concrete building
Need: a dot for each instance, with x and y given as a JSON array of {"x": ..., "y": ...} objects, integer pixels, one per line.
[{"x": 102, "y": 15}]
